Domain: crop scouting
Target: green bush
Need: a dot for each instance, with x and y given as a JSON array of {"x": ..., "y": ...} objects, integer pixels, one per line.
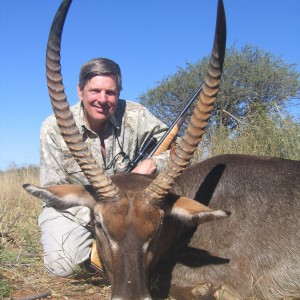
[{"x": 262, "y": 134}]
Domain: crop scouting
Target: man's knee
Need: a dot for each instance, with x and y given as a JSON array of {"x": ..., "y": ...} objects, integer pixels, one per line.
[
  {"x": 66, "y": 244},
  {"x": 60, "y": 268}
]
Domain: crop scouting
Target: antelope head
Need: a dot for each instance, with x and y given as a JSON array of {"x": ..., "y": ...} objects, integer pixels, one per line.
[{"x": 130, "y": 209}]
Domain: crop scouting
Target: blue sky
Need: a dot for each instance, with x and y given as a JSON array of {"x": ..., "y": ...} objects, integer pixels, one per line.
[{"x": 149, "y": 39}]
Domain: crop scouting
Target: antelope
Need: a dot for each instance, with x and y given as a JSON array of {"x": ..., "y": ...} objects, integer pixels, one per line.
[{"x": 227, "y": 227}]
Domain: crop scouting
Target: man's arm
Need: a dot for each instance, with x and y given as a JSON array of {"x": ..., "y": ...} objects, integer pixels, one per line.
[
  {"x": 147, "y": 166},
  {"x": 148, "y": 122},
  {"x": 50, "y": 158}
]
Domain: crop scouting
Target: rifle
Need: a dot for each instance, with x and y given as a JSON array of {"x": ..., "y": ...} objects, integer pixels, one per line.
[{"x": 157, "y": 148}]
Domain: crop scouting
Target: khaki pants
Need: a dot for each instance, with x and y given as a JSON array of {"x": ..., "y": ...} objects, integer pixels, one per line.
[{"x": 66, "y": 238}]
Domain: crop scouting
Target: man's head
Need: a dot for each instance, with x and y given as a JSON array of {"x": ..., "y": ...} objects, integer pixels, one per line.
[
  {"x": 99, "y": 67},
  {"x": 99, "y": 87}
]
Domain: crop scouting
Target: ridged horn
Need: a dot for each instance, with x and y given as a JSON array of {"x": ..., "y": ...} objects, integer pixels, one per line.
[
  {"x": 102, "y": 184},
  {"x": 156, "y": 191}
]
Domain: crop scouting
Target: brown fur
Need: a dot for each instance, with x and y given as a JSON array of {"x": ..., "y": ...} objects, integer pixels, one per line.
[{"x": 253, "y": 252}]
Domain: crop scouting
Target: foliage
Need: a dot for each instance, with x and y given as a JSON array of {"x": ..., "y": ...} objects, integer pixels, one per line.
[
  {"x": 248, "y": 114},
  {"x": 252, "y": 80},
  {"x": 262, "y": 134}
]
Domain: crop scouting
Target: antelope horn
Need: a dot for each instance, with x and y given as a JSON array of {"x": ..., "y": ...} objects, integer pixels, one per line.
[
  {"x": 196, "y": 127},
  {"x": 102, "y": 184}
]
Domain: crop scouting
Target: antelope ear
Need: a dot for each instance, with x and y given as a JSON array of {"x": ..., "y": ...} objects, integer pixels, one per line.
[
  {"x": 194, "y": 213},
  {"x": 63, "y": 196}
]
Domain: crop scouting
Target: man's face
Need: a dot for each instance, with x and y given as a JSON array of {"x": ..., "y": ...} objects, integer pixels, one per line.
[{"x": 99, "y": 97}]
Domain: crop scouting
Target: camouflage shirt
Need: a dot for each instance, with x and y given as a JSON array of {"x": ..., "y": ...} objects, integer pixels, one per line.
[{"x": 124, "y": 133}]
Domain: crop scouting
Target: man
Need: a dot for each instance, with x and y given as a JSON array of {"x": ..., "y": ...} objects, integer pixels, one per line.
[{"x": 114, "y": 129}]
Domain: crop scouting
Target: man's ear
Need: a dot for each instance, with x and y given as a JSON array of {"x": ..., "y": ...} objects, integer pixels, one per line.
[
  {"x": 79, "y": 93},
  {"x": 63, "y": 196},
  {"x": 192, "y": 212}
]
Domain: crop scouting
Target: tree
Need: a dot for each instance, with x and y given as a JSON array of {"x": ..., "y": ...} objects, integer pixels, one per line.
[{"x": 252, "y": 80}]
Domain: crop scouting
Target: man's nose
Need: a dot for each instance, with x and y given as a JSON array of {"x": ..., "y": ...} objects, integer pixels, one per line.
[{"x": 102, "y": 97}]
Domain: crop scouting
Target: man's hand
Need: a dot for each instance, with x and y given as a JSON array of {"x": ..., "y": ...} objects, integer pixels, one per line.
[{"x": 146, "y": 166}]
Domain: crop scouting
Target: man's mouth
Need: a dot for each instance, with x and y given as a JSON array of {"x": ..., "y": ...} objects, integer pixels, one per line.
[{"x": 101, "y": 108}]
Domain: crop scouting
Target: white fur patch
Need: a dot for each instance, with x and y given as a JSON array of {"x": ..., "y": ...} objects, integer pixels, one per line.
[
  {"x": 145, "y": 247},
  {"x": 114, "y": 245},
  {"x": 181, "y": 213},
  {"x": 220, "y": 214},
  {"x": 99, "y": 218},
  {"x": 185, "y": 215},
  {"x": 73, "y": 199}
]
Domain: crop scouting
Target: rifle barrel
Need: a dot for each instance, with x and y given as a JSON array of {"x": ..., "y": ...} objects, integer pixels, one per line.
[{"x": 181, "y": 114}]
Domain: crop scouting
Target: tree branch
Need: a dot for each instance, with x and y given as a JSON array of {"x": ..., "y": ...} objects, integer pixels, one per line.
[
  {"x": 36, "y": 296},
  {"x": 233, "y": 117}
]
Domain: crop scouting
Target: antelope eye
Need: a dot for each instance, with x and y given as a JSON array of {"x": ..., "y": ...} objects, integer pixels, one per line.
[
  {"x": 98, "y": 224},
  {"x": 98, "y": 221}
]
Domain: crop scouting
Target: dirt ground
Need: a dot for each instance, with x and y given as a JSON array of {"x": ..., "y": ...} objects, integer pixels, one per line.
[
  {"x": 30, "y": 282},
  {"x": 23, "y": 273}
]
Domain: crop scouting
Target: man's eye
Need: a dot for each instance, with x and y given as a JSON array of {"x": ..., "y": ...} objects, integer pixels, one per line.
[{"x": 111, "y": 93}]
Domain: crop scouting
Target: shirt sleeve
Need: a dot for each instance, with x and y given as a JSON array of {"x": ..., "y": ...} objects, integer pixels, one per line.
[{"x": 50, "y": 158}]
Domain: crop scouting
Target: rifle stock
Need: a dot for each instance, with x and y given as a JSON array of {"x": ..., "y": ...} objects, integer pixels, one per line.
[{"x": 166, "y": 143}]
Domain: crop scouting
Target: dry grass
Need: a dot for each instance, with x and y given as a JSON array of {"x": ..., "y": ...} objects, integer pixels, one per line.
[
  {"x": 19, "y": 210},
  {"x": 21, "y": 262}
]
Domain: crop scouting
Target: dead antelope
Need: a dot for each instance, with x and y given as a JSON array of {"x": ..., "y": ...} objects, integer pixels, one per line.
[{"x": 147, "y": 228}]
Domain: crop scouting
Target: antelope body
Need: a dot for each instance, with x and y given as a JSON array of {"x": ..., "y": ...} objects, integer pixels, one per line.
[
  {"x": 260, "y": 239},
  {"x": 253, "y": 252},
  {"x": 147, "y": 228}
]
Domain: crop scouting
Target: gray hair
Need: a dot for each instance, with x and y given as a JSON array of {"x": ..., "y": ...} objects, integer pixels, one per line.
[{"x": 99, "y": 67}]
